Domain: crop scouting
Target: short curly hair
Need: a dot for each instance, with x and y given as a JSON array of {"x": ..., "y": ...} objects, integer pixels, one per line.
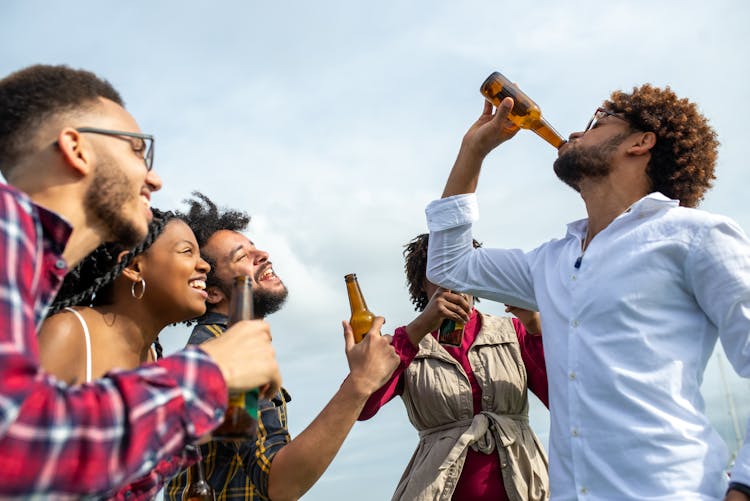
[
  {"x": 684, "y": 157},
  {"x": 32, "y": 95},
  {"x": 415, "y": 266}
]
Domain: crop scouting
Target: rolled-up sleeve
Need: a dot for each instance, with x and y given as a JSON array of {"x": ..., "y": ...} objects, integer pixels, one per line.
[{"x": 501, "y": 275}]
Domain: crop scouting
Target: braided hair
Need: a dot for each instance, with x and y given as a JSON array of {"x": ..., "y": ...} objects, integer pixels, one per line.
[
  {"x": 415, "y": 255},
  {"x": 91, "y": 282}
]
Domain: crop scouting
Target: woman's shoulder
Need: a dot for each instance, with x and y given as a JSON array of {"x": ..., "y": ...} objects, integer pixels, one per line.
[{"x": 62, "y": 345}]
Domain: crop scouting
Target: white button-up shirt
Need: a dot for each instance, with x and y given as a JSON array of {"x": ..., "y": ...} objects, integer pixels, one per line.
[{"x": 627, "y": 335}]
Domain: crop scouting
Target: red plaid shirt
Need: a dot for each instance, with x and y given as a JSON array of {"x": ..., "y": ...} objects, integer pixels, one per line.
[{"x": 94, "y": 438}]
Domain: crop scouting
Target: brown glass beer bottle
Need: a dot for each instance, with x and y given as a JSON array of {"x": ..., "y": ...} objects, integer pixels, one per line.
[
  {"x": 241, "y": 419},
  {"x": 525, "y": 113},
  {"x": 362, "y": 318},
  {"x": 198, "y": 489}
]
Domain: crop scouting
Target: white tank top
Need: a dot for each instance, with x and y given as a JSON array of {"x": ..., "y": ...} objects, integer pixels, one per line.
[{"x": 87, "y": 335}]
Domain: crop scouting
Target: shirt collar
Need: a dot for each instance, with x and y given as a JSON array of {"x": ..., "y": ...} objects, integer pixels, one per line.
[
  {"x": 54, "y": 227},
  {"x": 650, "y": 203},
  {"x": 213, "y": 317}
]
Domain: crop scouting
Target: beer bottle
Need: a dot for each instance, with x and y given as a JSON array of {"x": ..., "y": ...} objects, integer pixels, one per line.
[
  {"x": 362, "y": 318},
  {"x": 241, "y": 419},
  {"x": 198, "y": 489},
  {"x": 451, "y": 332},
  {"x": 525, "y": 113}
]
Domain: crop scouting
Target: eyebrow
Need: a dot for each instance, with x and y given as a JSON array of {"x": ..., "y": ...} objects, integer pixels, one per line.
[{"x": 235, "y": 250}]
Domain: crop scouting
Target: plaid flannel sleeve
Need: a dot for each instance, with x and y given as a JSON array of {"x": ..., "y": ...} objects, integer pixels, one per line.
[{"x": 89, "y": 439}]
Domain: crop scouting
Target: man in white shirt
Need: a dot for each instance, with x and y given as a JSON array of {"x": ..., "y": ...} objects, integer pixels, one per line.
[{"x": 633, "y": 298}]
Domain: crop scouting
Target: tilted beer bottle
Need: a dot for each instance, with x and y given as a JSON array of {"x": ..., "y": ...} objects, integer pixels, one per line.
[
  {"x": 525, "y": 113},
  {"x": 362, "y": 318},
  {"x": 241, "y": 420},
  {"x": 198, "y": 489}
]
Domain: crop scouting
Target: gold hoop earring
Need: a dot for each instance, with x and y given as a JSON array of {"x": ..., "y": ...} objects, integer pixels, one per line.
[{"x": 143, "y": 289}]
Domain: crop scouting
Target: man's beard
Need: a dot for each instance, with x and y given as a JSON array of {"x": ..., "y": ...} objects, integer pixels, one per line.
[
  {"x": 105, "y": 199},
  {"x": 265, "y": 302},
  {"x": 586, "y": 162}
]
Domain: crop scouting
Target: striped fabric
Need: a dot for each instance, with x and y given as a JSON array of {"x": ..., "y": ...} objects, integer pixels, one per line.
[
  {"x": 61, "y": 442},
  {"x": 238, "y": 470}
]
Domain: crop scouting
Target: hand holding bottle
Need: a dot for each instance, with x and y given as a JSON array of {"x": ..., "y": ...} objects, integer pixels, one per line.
[
  {"x": 371, "y": 361},
  {"x": 444, "y": 304}
]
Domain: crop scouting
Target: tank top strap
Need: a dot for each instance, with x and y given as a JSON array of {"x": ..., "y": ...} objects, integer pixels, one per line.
[{"x": 88, "y": 341}]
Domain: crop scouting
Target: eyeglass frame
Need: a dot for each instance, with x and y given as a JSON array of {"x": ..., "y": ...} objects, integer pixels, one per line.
[
  {"x": 595, "y": 118},
  {"x": 148, "y": 156}
]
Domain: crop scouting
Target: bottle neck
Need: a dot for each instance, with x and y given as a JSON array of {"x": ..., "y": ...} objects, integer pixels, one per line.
[{"x": 356, "y": 300}]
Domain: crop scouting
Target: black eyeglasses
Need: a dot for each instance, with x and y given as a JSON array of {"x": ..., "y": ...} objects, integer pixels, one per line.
[
  {"x": 599, "y": 114},
  {"x": 142, "y": 144}
]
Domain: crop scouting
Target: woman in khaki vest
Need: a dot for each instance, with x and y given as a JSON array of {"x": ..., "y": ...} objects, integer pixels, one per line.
[{"x": 468, "y": 402}]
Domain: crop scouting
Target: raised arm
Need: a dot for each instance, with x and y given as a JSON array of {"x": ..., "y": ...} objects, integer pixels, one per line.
[
  {"x": 487, "y": 133},
  {"x": 298, "y": 465}
]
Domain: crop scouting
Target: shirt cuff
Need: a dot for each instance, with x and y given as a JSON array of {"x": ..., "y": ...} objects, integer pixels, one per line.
[
  {"x": 447, "y": 213},
  {"x": 403, "y": 346},
  {"x": 203, "y": 389}
]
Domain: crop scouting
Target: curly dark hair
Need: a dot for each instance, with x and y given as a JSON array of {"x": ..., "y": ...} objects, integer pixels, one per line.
[
  {"x": 91, "y": 282},
  {"x": 205, "y": 219},
  {"x": 415, "y": 255},
  {"x": 684, "y": 156},
  {"x": 32, "y": 95}
]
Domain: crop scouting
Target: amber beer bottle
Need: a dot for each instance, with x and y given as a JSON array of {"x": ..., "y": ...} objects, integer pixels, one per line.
[
  {"x": 198, "y": 489},
  {"x": 525, "y": 113},
  {"x": 241, "y": 420},
  {"x": 362, "y": 318}
]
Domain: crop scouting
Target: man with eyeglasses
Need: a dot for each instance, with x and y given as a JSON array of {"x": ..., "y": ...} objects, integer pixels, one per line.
[
  {"x": 632, "y": 299},
  {"x": 79, "y": 173}
]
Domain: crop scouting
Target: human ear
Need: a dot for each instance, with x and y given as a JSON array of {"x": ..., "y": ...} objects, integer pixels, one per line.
[
  {"x": 643, "y": 143},
  {"x": 75, "y": 151},
  {"x": 215, "y": 295}
]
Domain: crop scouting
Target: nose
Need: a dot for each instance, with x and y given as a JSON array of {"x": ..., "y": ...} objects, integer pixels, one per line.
[
  {"x": 203, "y": 265},
  {"x": 153, "y": 181},
  {"x": 260, "y": 257},
  {"x": 575, "y": 135}
]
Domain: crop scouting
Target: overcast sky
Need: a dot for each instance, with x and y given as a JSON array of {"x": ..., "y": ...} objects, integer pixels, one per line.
[{"x": 334, "y": 123}]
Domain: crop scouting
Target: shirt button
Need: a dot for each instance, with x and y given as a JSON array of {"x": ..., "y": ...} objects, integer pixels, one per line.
[
  {"x": 60, "y": 264},
  {"x": 572, "y": 375},
  {"x": 574, "y": 432},
  {"x": 573, "y": 277},
  {"x": 584, "y": 490},
  {"x": 575, "y": 323}
]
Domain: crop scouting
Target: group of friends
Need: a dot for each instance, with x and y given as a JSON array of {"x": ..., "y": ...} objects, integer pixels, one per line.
[{"x": 613, "y": 324}]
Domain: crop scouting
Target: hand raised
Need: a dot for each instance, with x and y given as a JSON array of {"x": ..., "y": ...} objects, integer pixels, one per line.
[
  {"x": 373, "y": 360},
  {"x": 491, "y": 129},
  {"x": 443, "y": 304}
]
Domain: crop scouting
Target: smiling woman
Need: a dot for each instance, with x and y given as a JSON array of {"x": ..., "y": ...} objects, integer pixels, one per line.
[{"x": 112, "y": 307}]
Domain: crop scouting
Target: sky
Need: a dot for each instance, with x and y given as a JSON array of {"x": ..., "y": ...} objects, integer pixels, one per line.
[{"x": 334, "y": 123}]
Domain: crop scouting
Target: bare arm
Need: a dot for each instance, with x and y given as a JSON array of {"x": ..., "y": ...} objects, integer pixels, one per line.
[
  {"x": 488, "y": 132},
  {"x": 298, "y": 465}
]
